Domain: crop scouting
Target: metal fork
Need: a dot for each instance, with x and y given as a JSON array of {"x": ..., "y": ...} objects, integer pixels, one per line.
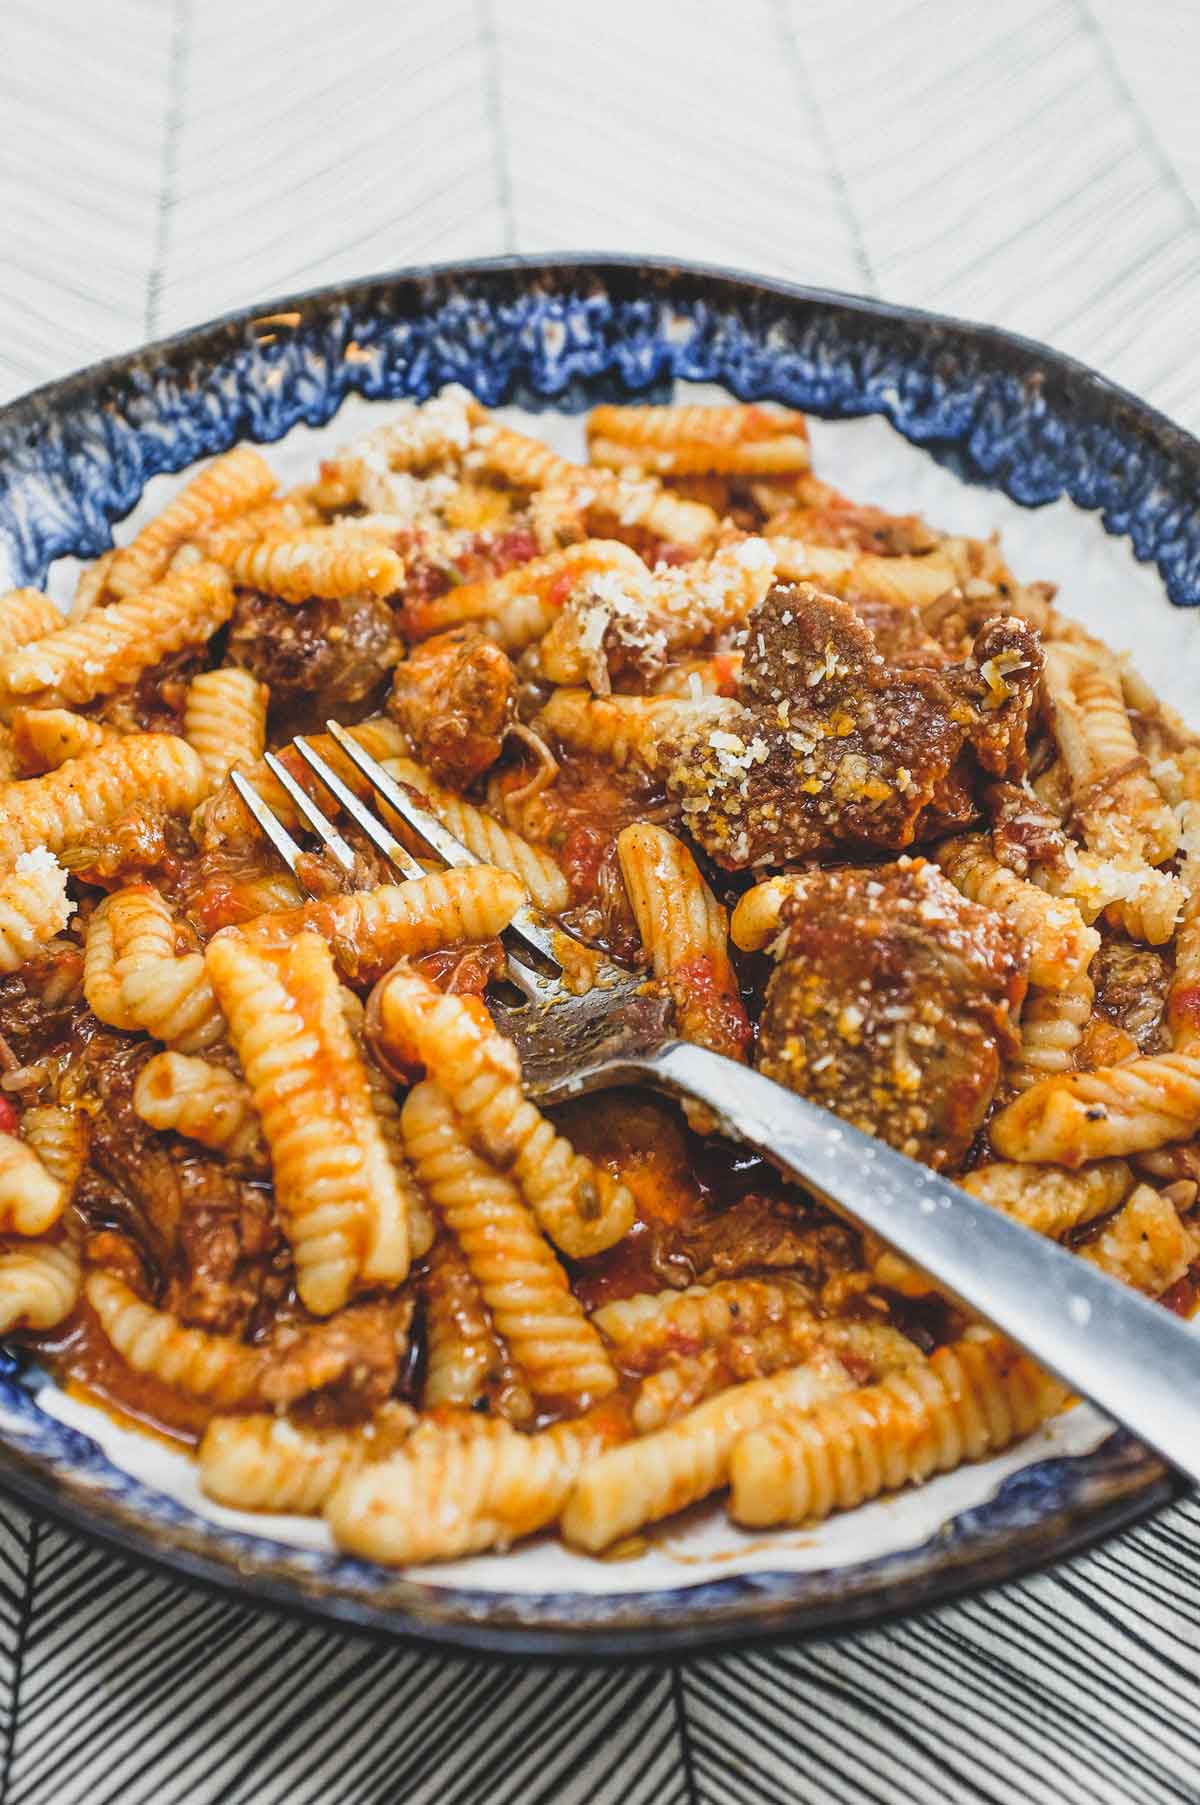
[{"x": 1134, "y": 1359}]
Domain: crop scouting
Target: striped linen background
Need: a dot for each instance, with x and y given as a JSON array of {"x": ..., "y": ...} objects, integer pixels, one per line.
[{"x": 1036, "y": 164}]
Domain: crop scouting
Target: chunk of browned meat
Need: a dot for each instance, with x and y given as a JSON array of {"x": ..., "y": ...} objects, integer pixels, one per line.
[
  {"x": 1131, "y": 991},
  {"x": 755, "y": 1234},
  {"x": 899, "y": 633},
  {"x": 343, "y": 1368},
  {"x": 453, "y": 696},
  {"x": 827, "y": 747},
  {"x": 1025, "y": 832},
  {"x": 337, "y": 652},
  {"x": 892, "y": 1005}
]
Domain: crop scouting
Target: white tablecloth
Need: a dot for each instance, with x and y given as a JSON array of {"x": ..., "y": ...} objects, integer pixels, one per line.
[{"x": 1031, "y": 162}]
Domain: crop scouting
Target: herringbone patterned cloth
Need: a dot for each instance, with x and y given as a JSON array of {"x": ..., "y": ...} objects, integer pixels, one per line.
[{"x": 1031, "y": 162}]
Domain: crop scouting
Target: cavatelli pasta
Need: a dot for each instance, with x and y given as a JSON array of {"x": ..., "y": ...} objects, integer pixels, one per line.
[
  {"x": 335, "y": 1186},
  {"x": 915, "y": 581},
  {"x": 1105, "y": 1114},
  {"x": 466, "y": 1364},
  {"x": 684, "y": 440},
  {"x": 458, "y": 1488},
  {"x": 329, "y": 561},
  {"x": 968, "y": 1400},
  {"x": 203, "y": 1102},
  {"x": 369, "y": 930},
  {"x": 45, "y": 738},
  {"x": 515, "y": 609},
  {"x": 225, "y": 720},
  {"x": 269, "y": 1463},
  {"x": 31, "y": 1201},
  {"x": 554, "y": 1347},
  {"x": 225, "y": 816},
  {"x": 627, "y": 730},
  {"x": 1052, "y": 1025},
  {"x": 1146, "y": 1244},
  {"x": 685, "y": 931},
  {"x": 59, "y": 1138},
  {"x": 39, "y": 1284},
  {"x": 70, "y": 806},
  {"x": 33, "y": 907},
  {"x": 646, "y": 1480},
  {"x": 582, "y": 1208},
  {"x": 229, "y": 486},
  {"x": 1056, "y": 941},
  {"x": 490, "y": 840},
  {"x": 112, "y": 646},
  {"x": 134, "y": 980},
  {"x": 26, "y": 615}
]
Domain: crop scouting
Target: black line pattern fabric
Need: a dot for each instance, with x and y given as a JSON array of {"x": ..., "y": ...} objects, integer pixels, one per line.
[{"x": 1035, "y": 163}]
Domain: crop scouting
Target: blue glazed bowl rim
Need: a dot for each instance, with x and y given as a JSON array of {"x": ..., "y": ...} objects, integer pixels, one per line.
[{"x": 1041, "y": 1512}]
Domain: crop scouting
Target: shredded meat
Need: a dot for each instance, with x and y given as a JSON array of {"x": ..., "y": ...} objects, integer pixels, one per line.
[
  {"x": 899, "y": 633},
  {"x": 206, "y": 1234},
  {"x": 453, "y": 696},
  {"x": 828, "y": 747},
  {"x": 336, "y": 652},
  {"x": 757, "y": 1233},
  {"x": 891, "y": 1005},
  {"x": 1131, "y": 991}
]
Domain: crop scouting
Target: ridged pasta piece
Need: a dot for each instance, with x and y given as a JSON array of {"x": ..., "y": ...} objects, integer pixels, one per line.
[
  {"x": 225, "y": 816},
  {"x": 329, "y": 561},
  {"x": 968, "y": 1400},
  {"x": 45, "y": 738},
  {"x": 419, "y": 433},
  {"x": 797, "y": 1337},
  {"x": 133, "y": 980},
  {"x": 1052, "y": 1025},
  {"x": 628, "y": 730},
  {"x": 39, "y": 1284},
  {"x": 1146, "y": 1245},
  {"x": 288, "y": 513},
  {"x": 1121, "y": 809},
  {"x": 225, "y": 720},
  {"x": 1056, "y": 942},
  {"x": 230, "y": 485},
  {"x": 582, "y": 1209},
  {"x": 31, "y": 1201},
  {"x": 682, "y": 440},
  {"x": 219, "y": 1368},
  {"x": 68, "y": 807},
  {"x": 201, "y": 1101},
  {"x": 652, "y": 1325},
  {"x": 465, "y": 1362},
  {"x": 25, "y": 615},
  {"x": 368, "y": 930},
  {"x": 335, "y": 1186},
  {"x": 1047, "y": 1199},
  {"x": 1109, "y": 1113},
  {"x": 755, "y": 920},
  {"x": 602, "y": 499},
  {"x": 515, "y": 609},
  {"x": 652, "y": 1478},
  {"x": 268, "y": 1463},
  {"x": 489, "y": 839},
  {"x": 92, "y": 586},
  {"x": 685, "y": 931},
  {"x": 59, "y": 1136},
  {"x": 654, "y": 613},
  {"x": 382, "y": 1092},
  {"x": 915, "y": 580},
  {"x": 1128, "y": 892},
  {"x": 114, "y": 645},
  {"x": 542, "y": 1323},
  {"x": 458, "y": 1488},
  {"x": 33, "y": 907}
]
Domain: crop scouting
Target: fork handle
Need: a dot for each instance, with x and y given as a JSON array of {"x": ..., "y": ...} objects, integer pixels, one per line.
[{"x": 1137, "y": 1361}]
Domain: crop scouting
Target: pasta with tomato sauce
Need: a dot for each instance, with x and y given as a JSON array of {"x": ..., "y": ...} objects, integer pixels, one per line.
[{"x": 865, "y": 810}]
